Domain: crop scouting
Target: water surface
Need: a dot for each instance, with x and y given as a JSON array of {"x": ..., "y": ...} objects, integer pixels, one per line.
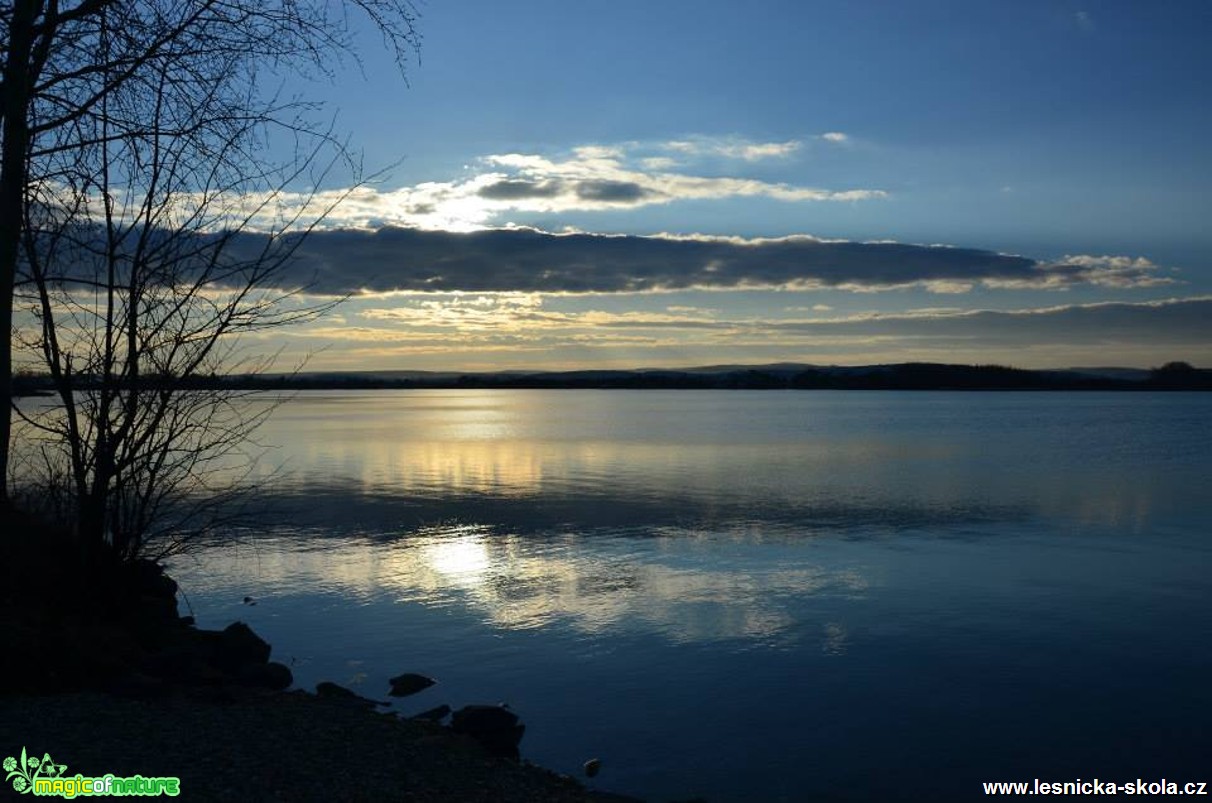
[{"x": 754, "y": 595}]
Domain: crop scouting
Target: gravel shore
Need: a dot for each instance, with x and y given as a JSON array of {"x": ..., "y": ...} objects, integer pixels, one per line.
[{"x": 270, "y": 746}]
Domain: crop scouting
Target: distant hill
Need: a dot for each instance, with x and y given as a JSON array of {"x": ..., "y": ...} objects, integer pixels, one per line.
[
  {"x": 776, "y": 376},
  {"x": 791, "y": 376},
  {"x": 1129, "y": 374}
]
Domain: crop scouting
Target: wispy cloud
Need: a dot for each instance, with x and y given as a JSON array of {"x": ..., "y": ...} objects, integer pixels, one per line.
[
  {"x": 733, "y": 148},
  {"x": 1119, "y": 272},
  {"x": 1174, "y": 320},
  {"x": 587, "y": 178},
  {"x": 516, "y": 327}
]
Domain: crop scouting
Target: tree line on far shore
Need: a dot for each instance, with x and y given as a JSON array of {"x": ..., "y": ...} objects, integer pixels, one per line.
[{"x": 899, "y": 376}]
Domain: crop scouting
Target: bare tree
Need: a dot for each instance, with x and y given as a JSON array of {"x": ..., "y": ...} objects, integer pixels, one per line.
[{"x": 152, "y": 233}]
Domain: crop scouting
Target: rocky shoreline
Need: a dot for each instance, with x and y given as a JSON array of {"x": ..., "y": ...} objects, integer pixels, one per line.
[{"x": 101, "y": 671}]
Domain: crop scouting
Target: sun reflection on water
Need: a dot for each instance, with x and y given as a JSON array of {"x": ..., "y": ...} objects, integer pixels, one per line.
[
  {"x": 682, "y": 588},
  {"x": 462, "y": 557}
]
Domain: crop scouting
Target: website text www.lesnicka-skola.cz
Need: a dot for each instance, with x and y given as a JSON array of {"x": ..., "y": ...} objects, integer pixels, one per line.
[{"x": 1095, "y": 787}]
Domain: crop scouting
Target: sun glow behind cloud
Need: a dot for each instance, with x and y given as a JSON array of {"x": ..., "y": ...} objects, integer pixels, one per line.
[
  {"x": 457, "y": 274},
  {"x": 586, "y": 178}
]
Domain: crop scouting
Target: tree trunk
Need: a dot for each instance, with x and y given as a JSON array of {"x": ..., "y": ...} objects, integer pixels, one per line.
[{"x": 14, "y": 150}]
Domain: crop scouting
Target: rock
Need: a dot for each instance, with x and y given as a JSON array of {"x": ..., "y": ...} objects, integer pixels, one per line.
[
  {"x": 409, "y": 683},
  {"x": 272, "y": 675},
  {"x": 148, "y": 577},
  {"x": 155, "y": 610},
  {"x": 331, "y": 691},
  {"x": 496, "y": 728},
  {"x": 434, "y": 714},
  {"x": 592, "y": 767},
  {"x": 238, "y": 645}
]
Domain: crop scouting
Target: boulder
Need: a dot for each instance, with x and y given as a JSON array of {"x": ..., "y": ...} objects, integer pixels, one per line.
[
  {"x": 434, "y": 714},
  {"x": 409, "y": 683},
  {"x": 495, "y": 727},
  {"x": 146, "y": 577},
  {"x": 328, "y": 690},
  {"x": 153, "y": 613},
  {"x": 182, "y": 662},
  {"x": 238, "y": 645},
  {"x": 272, "y": 675}
]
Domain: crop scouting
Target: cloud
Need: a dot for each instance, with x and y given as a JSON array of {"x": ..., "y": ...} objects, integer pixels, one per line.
[
  {"x": 658, "y": 163},
  {"x": 613, "y": 191},
  {"x": 733, "y": 148},
  {"x": 479, "y": 312},
  {"x": 1175, "y": 321},
  {"x": 624, "y": 192},
  {"x": 513, "y": 190},
  {"x": 586, "y": 178},
  {"x": 770, "y": 150},
  {"x": 835, "y": 136},
  {"x": 593, "y": 167},
  {"x": 1172, "y": 321},
  {"x": 1119, "y": 272},
  {"x": 526, "y": 260},
  {"x": 523, "y": 326},
  {"x": 393, "y": 259}
]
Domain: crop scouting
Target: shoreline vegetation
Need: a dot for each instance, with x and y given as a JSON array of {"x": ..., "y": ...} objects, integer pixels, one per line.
[
  {"x": 779, "y": 376},
  {"x": 100, "y": 671}
]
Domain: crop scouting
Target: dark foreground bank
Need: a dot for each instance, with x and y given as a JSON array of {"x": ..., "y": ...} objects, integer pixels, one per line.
[
  {"x": 269, "y": 746},
  {"x": 100, "y": 675}
]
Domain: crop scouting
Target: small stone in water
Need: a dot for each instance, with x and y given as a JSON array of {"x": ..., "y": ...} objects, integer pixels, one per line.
[{"x": 409, "y": 683}]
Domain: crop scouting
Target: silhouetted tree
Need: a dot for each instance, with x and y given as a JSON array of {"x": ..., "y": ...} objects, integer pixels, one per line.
[
  {"x": 135, "y": 169},
  {"x": 1178, "y": 375}
]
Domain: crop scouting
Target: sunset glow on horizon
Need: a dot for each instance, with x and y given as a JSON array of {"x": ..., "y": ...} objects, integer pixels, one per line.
[{"x": 626, "y": 185}]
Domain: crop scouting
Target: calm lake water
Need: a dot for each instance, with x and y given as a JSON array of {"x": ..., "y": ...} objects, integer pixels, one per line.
[{"x": 754, "y": 595}]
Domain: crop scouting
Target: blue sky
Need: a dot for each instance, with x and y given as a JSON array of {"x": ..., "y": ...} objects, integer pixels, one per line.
[{"x": 1059, "y": 147}]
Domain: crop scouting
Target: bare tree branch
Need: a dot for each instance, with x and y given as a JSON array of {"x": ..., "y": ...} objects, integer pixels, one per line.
[{"x": 135, "y": 157}]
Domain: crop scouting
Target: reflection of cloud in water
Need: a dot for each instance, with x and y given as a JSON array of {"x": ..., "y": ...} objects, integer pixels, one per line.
[
  {"x": 836, "y": 640},
  {"x": 669, "y": 584},
  {"x": 595, "y": 591}
]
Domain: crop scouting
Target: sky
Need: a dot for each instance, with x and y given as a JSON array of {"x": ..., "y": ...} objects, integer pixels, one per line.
[{"x": 669, "y": 184}]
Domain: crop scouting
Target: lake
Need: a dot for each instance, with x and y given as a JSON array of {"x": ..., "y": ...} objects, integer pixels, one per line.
[{"x": 753, "y": 595}]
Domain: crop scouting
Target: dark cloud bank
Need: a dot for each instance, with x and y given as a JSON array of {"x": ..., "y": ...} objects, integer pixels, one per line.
[
  {"x": 622, "y": 192},
  {"x": 1176, "y": 322},
  {"x": 525, "y": 260}
]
